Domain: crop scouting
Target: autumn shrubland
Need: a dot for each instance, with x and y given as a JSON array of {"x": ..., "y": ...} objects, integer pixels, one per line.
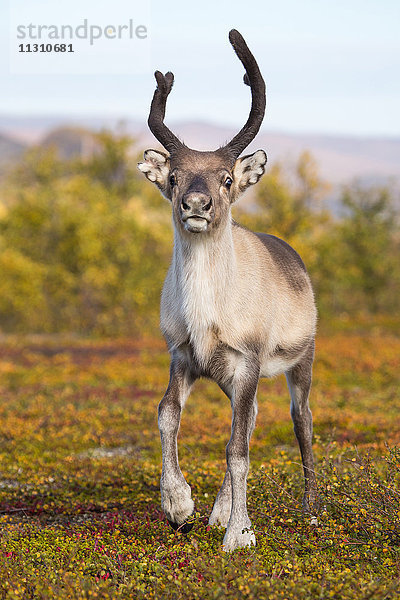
[{"x": 84, "y": 246}]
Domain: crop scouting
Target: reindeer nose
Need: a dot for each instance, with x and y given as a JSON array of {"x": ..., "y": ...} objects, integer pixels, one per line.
[{"x": 196, "y": 203}]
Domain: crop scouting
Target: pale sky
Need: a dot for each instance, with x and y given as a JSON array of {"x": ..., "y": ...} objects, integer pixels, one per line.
[{"x": 330, "y": 66}]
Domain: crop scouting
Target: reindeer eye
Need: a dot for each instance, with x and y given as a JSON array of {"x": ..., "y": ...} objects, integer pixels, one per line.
[
  {"x": 228, "y": 182},
  {"x": 172, "y": 180}
]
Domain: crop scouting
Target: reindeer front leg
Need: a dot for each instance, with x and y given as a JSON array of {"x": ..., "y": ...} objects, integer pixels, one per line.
[
  {"x": 222, "y": 508},
  {"x": 239, "y": 533},
  {"x": 176, "y": 500}
]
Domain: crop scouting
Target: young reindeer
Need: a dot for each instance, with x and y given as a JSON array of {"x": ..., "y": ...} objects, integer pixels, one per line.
[{"x": 236, "y": 306}]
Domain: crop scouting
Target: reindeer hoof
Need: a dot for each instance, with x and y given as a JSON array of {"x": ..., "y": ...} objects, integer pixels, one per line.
[{"x": 183, "y": 527}]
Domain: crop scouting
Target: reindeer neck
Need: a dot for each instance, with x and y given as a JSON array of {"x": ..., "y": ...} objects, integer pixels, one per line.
[
  {"x": 204, "y": 270},
  {"x": 208, "y": 262}
]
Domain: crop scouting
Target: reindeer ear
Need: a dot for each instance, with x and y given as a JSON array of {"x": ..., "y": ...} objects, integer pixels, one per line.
[
  {"x": 156, "y": 168},
  {"x": 248, "y": 170}
]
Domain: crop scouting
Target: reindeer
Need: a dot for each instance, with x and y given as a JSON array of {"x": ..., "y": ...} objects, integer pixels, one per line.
[{"x": 235, "y": 306}]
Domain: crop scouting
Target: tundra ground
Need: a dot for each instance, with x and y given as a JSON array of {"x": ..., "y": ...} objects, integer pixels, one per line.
[{"x": 80, "y": 464}]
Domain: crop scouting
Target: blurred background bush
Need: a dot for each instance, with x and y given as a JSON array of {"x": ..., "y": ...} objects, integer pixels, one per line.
[{"x": 85, "y": 240}]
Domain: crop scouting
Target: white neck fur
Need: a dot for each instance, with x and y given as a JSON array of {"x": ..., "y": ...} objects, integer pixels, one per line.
[{"x": 204, "y": 268}]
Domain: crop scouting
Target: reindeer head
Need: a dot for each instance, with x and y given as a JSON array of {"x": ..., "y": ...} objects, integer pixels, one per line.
[{"x": 203, "y": 185}]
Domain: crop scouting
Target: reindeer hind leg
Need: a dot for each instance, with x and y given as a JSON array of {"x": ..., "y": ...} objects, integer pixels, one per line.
[{"x": 299, "y": 383}]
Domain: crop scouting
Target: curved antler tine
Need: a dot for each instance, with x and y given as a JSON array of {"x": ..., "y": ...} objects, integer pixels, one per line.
[
  {"x": 254, "y": 79},
  {"x": 157, "y": 112}
]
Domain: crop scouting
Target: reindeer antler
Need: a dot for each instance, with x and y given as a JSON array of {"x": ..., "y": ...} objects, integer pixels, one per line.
[
  {"x": 157, "y": 112},
  {"x": 254, "y": 79}
]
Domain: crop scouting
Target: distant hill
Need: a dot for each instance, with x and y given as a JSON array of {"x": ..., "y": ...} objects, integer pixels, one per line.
[
  {"x": 70, "y": 141},
  {"x": 10, "y": 150},
  {"x": 340, "y": 158}
]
